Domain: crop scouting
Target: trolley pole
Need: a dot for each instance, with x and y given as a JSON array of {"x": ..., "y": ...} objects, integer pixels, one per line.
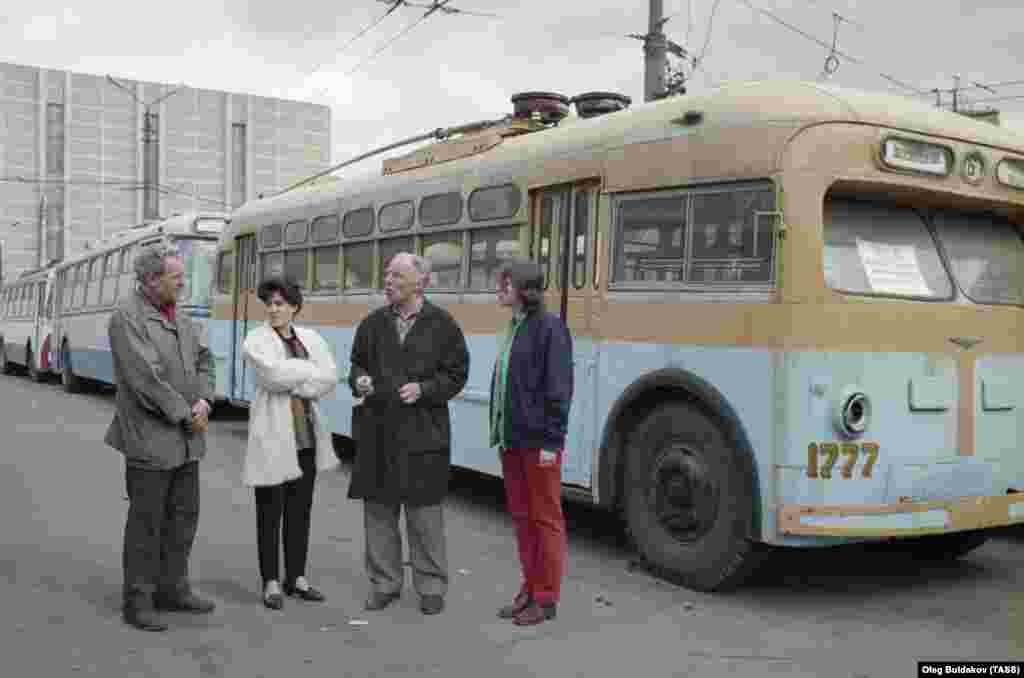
[{"x": 654, "y": 53}]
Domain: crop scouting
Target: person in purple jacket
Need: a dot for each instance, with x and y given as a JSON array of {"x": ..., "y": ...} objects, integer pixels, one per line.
[{"x": 531, "y": 391}]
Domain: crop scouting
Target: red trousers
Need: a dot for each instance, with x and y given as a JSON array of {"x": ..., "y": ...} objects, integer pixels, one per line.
[{"x": 534, "y": 499}]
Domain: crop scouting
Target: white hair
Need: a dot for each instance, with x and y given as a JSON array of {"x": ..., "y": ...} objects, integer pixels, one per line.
[{"x": 150, "y": 260}]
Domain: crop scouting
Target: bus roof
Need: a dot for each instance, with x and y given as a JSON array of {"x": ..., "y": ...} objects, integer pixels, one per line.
[
  {"x": 178, "y": 224},
  {"x": 754, "y": 104}
]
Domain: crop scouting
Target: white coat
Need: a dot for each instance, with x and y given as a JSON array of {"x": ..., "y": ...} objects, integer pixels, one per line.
[{"x": 270, "y": 456}]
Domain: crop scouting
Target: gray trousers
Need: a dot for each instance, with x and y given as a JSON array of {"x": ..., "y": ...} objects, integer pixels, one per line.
[
  {"x": 424, "y": 527},
  {"x": 161, "y": 525}
]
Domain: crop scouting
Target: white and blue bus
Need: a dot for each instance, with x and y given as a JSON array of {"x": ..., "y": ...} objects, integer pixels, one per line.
[{"x": 54, "y": 321}]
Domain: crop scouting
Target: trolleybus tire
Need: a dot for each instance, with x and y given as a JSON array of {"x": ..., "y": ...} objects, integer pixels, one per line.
[
  {"x": 687, "y": 504},
  {"x": 34, "y": 373},
  {"x": 5, "y": 365},
  {"x": 70, "y": 382}
]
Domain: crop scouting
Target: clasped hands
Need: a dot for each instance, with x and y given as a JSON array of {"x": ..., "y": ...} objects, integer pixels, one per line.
[
  {"x": 200, "y": 417},
  {"x": 408, "y": 393}
]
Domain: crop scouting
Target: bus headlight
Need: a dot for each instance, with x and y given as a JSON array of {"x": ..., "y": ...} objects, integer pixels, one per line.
[{"x": 852, "y": 412}]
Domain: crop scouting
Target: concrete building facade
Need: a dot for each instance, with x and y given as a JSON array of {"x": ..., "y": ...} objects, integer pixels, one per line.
[{"x": 73, "y": 160}]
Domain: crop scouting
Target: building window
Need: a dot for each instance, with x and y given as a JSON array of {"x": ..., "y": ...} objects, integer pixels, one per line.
[
  {"x": 238, "y": 164},
  {"x": 55, "y": 140},
  {"x": 54, "y": 191},
  {"x": 151, "y": 176}
]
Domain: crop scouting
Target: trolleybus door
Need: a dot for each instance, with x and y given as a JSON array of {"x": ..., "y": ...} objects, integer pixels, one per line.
[
  {"x": 244, "y": 294},
  {"x": 564, "y": 223}
]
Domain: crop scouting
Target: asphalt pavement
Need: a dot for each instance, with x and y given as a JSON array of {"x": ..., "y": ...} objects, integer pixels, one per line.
[{"x": 840, "y": 613}]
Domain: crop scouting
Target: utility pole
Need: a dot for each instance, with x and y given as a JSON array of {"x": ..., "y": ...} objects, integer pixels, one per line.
[
  {"x": 150, "y": 137},
  {"x": 654, "y": 53}
]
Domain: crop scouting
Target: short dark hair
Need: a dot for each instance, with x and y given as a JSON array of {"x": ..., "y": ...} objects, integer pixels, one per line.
[
  {"x": 528, "y": 281},
  {"x": 288, "y": 288}
]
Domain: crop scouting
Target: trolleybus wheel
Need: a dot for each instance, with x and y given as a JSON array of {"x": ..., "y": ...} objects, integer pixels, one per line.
[
  {"x": 943, "y": 546},
  {"x": 34, "y": 373},
  {"x": 689, "y": 500},
  {"x": 70, "y": 382},
  {"x": 5, "y": 365}
]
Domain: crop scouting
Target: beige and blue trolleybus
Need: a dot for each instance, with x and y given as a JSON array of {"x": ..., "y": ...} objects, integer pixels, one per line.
[{"x": 796, "y": 309}]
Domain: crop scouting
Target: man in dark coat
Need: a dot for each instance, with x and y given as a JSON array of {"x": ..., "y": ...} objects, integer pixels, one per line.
[
  {"x": 409, "y": 359},
  {"x": 164, "y": 395}
]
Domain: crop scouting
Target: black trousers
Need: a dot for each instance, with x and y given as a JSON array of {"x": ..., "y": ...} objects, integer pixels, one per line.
[
  {"x": 163, "y": 512},
  {"x": 292, "y": 500}
]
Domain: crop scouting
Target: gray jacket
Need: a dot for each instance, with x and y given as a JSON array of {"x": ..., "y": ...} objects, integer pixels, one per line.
[{"x": 161, "y": 370}]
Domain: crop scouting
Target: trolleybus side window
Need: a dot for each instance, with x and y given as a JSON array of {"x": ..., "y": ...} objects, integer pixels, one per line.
[
  {"x": 489, "y": 249},
  {"x": 295, "y": 266},
  {"x": 986, "y": 253},
  {"x": 441, "y": 209},
  {"x": 388, "y": 249},
  {"x": 398, "y": 216},
  {"x": 580, "y": 239},
  {"x": 82, "y": 282},
  {"x": 326, "y": 229},
  {"x": 358, "y": 260},
  {"x": 226, "y": 272},
  {"x": 93, "y": 290},
  {"x": 110, "y": 279},
  {"x": 649, "y": 239},
  {"x": 271, "y": 264},
  {"x": 270, "y": 236},
  {"x": 444, "y": 251},
  {"x": 296, "y": 232},
  {"x": 358, "y": 223},
  {"x": 733, "y": 237},
  {"x": 494, "y": 202},
  {"x": 326, "y": 267},
  {"x": 545, "y": 244},
  {"x": 881, "y": 249}
]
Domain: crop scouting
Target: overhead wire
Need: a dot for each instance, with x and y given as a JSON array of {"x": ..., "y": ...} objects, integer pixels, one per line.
[
  {"x": 398, "y": 36},
  {"x": 699, "y": 61},
  {"x": 369, "y": 27},
  {"x": 837, "y": 52}
]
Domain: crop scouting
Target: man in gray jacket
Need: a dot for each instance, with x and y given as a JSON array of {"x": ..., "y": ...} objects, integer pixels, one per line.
[{"x": 164, "y": 396}]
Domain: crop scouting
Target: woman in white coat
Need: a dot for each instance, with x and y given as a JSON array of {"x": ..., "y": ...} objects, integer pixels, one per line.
[{"x": 288, "y": 443}]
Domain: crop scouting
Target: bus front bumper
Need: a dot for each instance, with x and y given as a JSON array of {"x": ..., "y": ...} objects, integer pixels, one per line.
[{"x": 902, "y": 519}]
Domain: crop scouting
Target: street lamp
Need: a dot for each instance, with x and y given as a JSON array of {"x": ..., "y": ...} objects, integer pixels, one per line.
[{"x": 149, "y": 135}]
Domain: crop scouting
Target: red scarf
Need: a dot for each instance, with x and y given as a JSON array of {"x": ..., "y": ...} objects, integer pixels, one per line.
[{"x": 168, "y": 311}]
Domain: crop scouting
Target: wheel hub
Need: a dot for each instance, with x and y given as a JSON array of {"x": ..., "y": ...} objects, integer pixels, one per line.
[{"x": 683, "y": 495}]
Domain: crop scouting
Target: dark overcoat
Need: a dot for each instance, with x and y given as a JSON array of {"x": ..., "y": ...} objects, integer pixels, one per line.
[{"x": 403, "y": 452}]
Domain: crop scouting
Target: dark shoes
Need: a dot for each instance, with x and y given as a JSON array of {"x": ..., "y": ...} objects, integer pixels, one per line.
[
  {"x": 511, "y": 611},
  {"x": 273, "y": 601},
  {"x": 534, "y": 614},
  {"x": 431, "y": 604},
  {"x": 144, "y": 619},
  {"x": 378, "y": 601},
  {"x": 188, "y": 602},
  {"x": 309, "y": 594}
]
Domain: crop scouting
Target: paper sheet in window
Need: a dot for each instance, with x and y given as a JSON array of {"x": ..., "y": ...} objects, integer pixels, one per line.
[{"x": 892, "y": 269}]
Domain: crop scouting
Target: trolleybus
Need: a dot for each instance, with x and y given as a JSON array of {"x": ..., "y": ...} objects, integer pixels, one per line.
[
  {"x": 54, "y": 321},
  {"x": 796, "y": 308}
]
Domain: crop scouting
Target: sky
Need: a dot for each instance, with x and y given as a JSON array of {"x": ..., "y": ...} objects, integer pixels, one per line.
[{"x": 451, "y": 69}]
